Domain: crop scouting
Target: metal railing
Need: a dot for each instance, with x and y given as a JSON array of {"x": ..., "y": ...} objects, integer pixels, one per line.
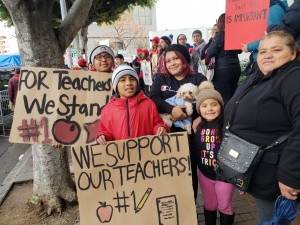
[{"x": 5, "y": 111}]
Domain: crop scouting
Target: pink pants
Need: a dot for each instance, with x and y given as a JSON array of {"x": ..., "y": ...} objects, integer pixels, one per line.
[{"x": 216, "y": 194}]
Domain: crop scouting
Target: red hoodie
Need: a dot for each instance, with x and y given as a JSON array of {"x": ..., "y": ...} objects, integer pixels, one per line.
[{"x": 124, "y": 118}]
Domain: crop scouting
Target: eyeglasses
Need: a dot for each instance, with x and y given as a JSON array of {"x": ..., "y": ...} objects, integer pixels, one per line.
[
  {"x": 182, "y": 39},
  {"x": 103, "y": 57}
]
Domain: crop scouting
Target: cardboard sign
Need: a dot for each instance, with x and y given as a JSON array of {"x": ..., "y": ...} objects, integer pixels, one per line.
[
  {"x": 246, "y": 21},
  {"x": 59, "y": 105},
  {"x": 146, "y": 180},
  {"x": 147, "y": 74}
]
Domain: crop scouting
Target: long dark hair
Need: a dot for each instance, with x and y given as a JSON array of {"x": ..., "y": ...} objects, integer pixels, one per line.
[
  {"x": 221, "y": 22},
  {"x": 187, "y": 69}
]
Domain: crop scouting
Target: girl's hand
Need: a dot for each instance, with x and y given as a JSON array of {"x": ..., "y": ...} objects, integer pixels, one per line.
[
  {"x": 196, "y": 123},
  {"x": 161, "y": 131},
  {"x": 177, "y": 113},
  {"x": 101, "y": 140},
  {"x": 57, "y": 145},
  {"x": 288, "y": 192}
]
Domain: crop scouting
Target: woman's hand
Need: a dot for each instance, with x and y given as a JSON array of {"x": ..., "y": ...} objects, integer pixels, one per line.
[
  {"x": 288, "y": 192},
  {"x": 177, "y": 113},
  {"x": 101, "y": 140},
  {"x": 161, "y": 131},
  {"x": 244, "y": 48},
  {"x": 196, "y": 123}
]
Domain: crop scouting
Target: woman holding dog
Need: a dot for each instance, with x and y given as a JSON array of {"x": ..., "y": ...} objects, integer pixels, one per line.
[
  {"x": 266, "y": 106},
  {"x": 177, "y": 71}
]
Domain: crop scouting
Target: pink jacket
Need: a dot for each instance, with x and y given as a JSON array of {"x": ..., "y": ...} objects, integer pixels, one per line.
[{"x": 124, "y": 118}]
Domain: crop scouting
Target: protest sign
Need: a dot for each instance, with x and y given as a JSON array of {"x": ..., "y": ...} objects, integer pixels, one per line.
[
  {"x": 59, "y": 105},
  {"x": 147, "y": 74},
  {"x": 246, "y": 21},
  {"x": 145, "y": 180}
]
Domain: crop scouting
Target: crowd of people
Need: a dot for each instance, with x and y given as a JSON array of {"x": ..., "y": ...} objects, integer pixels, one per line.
[{"x": 264, "y": 107}]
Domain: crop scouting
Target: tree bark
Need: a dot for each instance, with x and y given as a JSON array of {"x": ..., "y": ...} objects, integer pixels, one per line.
[
  {"x": 40, "y": 45},
  {"x": 52, "y": 178}
]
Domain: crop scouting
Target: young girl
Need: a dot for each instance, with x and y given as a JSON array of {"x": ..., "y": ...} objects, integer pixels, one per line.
[
  {"x": 217, "y": 194},
  {"x": 130, "y": 114}
]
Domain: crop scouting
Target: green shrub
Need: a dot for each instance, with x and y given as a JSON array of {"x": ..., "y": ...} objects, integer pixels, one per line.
[{"x": 243, "y": 65}]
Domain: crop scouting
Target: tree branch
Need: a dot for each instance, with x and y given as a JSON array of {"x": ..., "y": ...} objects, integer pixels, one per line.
[{"x": 74, "y": 20}]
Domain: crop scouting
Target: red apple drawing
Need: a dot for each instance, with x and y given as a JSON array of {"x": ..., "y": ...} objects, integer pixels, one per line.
[
  {"x": 66, "y": 131},
  {"x": 104, "y": 212}
]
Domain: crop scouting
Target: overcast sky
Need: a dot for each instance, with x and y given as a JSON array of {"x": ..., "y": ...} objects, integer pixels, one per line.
[{"x": 175, "y": 14}]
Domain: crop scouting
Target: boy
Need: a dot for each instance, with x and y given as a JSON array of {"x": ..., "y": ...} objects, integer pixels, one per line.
[
  {"x": 102, "y": 59},
  {"x": 130, "y": 113}
]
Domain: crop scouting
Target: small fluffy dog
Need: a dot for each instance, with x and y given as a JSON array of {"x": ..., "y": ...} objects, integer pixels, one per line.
[{"x": 186, "y": 95}]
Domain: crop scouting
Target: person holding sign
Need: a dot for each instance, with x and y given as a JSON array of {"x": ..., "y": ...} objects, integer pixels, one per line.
[
  {"x": 177, "y": 71},
  {"x": 130, "y": 113},
  {"x": 217, "y": 194},
  {"x": 227, "y": 64},
  {"x": 102, "y": 59},
  {"x": 266, "y": 107}
]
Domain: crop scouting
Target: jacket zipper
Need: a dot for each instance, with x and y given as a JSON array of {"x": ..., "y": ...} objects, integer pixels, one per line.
[{"x": 128, "y": 118}]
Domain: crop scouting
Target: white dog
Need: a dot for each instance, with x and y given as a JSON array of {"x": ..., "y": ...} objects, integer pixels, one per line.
[{"x": 186, "y": 95}]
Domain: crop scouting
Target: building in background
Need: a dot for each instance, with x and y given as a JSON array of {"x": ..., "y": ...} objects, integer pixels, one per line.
[
  {"x": 8, "y": 40},
  {"x": 3, "y": 45},
  {"x": 127, "y": 34}
]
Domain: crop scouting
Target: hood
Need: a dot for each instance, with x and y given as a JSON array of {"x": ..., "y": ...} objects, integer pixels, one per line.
[{"x": 132, "y": 102}]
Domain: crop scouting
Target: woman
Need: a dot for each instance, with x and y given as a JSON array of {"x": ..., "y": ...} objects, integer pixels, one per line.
[
  {"x": 182, "y": 40},
  {"x": 177, "y": 71},
  {"x": 227, "y": 66},
  {"x": 154, "y": 52},
  {"x": 205, "y": 59},
  {"x": 265, "y": 107},
  {"x": 276, "y": 12}
]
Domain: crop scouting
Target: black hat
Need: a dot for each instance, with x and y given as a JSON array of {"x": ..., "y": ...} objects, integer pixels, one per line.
[
  {"x": 120, "y": 56},
  {"x": 168, "y": 39},
  {"x": 181, "y": 49}
]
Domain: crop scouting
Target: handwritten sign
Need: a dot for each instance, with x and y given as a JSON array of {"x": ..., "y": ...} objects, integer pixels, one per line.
[
  {"x": 246, "y": 21},
  {"x": 146, "y": 180},
  {"x": 147, "y": 74},
  {"x": 59, "y": 105}
]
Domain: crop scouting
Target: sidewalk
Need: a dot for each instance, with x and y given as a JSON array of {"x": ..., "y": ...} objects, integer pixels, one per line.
[{"x": 244, "y": 205}]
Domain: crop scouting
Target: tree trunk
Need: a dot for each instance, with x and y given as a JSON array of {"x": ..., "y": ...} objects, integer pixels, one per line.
[
  {"x": 39, "y": 46},
  {"x": 51, "y": 175}
]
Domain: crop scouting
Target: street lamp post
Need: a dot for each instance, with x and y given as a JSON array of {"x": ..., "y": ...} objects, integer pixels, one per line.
[{"x": 63, "y": 9}]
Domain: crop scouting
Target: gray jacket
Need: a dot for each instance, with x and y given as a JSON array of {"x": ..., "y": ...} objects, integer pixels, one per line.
[{"x": 196, "y": 56}]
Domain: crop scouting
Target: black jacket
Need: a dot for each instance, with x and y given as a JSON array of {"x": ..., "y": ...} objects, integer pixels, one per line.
[
  {"x": 290, "y": 21},
  {"x": 262, "y": 109},
  {"x": 166, "y": 87},
  {"x": 224, "y": 58}
]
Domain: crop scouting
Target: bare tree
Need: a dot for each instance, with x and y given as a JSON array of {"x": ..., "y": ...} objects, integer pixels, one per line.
[{"x": 127, "y": 31}]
